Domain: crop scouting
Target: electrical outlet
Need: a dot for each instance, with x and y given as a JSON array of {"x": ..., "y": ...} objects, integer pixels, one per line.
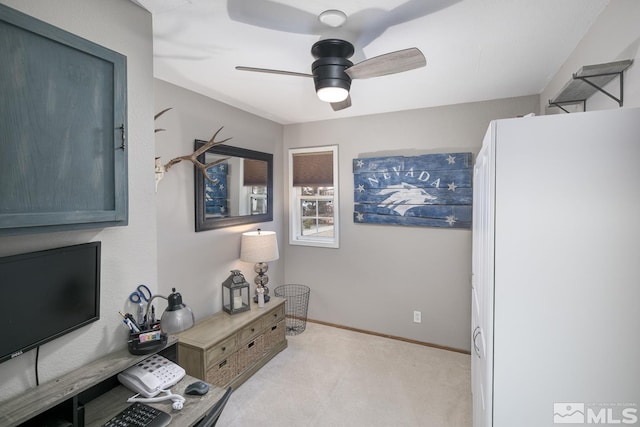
[{"x": 417, "y": 317}]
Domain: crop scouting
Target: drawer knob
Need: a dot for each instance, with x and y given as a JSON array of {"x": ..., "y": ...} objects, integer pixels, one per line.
[
  {"x": 273, "y": 328},
  {"x": 224, "y": 348}
]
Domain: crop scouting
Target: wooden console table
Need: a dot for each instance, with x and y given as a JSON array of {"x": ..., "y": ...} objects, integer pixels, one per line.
[
  {"x": 94, "y": 391},
  {"x": 104, "y": 407},
  {"x": 226, "y": 349}
]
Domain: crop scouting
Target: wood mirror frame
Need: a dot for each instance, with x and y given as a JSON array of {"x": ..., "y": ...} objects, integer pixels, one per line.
[{"x": 207, "y": 222}]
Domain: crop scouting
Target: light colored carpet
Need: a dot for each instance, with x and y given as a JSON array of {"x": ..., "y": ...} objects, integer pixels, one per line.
[{"x": 334, "y": 377}]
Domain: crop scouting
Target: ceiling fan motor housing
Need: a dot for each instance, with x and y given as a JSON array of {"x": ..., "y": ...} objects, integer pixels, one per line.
[
  {"x": 331, "y": 61},
  {"x": 329, "y": 72}
]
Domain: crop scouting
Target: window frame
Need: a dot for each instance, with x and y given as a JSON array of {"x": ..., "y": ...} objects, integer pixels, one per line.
[{"x": 295, "y": 198}]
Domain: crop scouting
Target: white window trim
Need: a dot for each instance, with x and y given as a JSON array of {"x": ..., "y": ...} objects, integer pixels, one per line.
[{"x": 294, "y": 209}]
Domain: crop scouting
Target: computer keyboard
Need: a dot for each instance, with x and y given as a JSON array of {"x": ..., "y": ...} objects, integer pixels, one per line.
[{"x": 139, "y": 415}]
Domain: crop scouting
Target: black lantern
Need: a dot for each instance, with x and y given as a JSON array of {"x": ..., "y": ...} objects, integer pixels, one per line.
[{"x": 235, "y": 293}]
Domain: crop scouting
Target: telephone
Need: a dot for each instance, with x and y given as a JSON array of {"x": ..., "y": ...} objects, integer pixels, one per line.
[{"x": 151, "y": 376}]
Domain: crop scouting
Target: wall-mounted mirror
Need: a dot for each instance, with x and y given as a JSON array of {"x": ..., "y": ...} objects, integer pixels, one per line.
[{"x": 243, "y": 193}]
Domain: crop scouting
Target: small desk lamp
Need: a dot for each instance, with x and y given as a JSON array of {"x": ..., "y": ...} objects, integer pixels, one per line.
[
  {"x": 260, "y": 247},
  {"x": 177, "y": 317}
]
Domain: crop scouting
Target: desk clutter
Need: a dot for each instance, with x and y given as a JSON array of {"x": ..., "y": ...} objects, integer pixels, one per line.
[
  {"x": 147, "y": 334},
  {"x": 143, "y": 338}
]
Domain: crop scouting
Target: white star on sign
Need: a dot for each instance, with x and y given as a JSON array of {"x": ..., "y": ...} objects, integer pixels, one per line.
[
  {"x": 221, "y": 187},
  {"x": 359, "y": 216},
  {"x": 359, "y": 163},
  {"x": 451, "y": 160},
  {"x": 452, "y": 186},
  {"x": 451, "y": 220},
  {"x": 360, "y": 188}
]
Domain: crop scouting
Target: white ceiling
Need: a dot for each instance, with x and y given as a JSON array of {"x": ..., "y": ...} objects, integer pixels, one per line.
[{"x": 476, "y": 50}]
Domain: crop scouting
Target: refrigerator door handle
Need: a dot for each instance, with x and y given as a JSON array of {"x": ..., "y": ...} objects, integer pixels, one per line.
[{"x": 476, "y": 333}]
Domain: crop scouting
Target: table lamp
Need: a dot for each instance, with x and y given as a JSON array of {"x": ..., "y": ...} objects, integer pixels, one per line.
[
  {"x": 177, "y": 317},
  {"x": 260, "y": 247}
]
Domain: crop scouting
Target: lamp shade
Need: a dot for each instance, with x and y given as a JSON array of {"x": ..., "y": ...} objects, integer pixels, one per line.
[
  {"x": 259, "y": 246},
  {"x": 177, "y": 317}
]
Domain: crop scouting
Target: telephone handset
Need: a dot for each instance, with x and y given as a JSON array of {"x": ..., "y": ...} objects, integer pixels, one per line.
[{"x": 151, "y": 376}]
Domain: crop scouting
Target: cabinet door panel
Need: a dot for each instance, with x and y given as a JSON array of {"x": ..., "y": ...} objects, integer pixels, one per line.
[{"x": 63, "y": 155}]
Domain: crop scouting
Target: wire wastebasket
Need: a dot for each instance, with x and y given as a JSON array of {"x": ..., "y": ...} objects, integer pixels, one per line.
[{"x": 296, "y": 305}]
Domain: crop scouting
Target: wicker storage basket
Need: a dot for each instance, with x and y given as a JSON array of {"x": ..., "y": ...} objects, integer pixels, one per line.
[
  {"x": 222, "y": 372},
  {"x": 250, "y": 353}
]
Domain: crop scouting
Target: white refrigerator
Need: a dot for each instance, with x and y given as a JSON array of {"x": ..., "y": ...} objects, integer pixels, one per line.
[{"x": 556, "y": 271}]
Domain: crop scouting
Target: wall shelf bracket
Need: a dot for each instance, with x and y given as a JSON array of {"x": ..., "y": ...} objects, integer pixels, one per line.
[{"x": 589, "y": 80}]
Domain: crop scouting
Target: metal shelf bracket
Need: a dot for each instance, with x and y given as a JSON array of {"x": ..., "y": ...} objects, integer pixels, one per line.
[{"x": 587, "y": 81}]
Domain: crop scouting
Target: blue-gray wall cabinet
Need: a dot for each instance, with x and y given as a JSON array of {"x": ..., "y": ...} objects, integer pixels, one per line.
[{"x": 63, "y": 151}]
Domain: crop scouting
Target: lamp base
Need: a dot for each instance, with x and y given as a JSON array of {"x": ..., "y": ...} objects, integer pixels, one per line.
[{"x": 261, "y": 280}]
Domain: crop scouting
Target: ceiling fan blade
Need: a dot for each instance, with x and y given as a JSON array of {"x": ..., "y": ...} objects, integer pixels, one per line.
[
  {"x": 373, "y": 22},
  {"x": 389, "y": 63},
  {"x": 337, "y": 106},
  {"x": 270, "y": 71},
  {"x": 274, "y": 16}
]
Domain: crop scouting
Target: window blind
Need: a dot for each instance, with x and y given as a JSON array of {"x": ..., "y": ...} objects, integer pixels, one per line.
[
  {"x": 313, "y": 169},
  {"x": 255, "y": 173}
]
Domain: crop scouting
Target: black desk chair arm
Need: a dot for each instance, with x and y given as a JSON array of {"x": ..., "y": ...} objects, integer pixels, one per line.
[{"x": 212, "y": 418}]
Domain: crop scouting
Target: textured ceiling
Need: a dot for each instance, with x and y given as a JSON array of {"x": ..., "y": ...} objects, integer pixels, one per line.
[{"x": 475, "y": 49}]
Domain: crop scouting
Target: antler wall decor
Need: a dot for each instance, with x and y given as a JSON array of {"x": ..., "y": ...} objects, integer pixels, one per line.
[
  {"x": 158, "y": 115},
  {"x": 193, "y": 157},
  {"x": 161, "y": 169}
]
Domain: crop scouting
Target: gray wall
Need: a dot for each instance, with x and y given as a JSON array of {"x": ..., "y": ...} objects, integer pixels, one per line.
[
  {"x": 197, "y": 263},
  {"x": 374, "y": 281},
  {"x": 381, "y": 273},
  {"x": 128, "y": 253}
]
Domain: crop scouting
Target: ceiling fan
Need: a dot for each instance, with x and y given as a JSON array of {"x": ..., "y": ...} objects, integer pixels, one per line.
[{"x": 332, "y": 71}]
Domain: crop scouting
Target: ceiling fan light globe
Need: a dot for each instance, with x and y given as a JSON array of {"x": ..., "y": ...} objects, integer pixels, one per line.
[
  {"x": 332, "y": 94},
  {"x": 333, "y": 18}
]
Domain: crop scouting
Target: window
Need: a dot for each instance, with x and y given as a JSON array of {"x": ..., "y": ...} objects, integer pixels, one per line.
[
  {"x": 255, "y": 185},
  {"x": 313, "y": 189}
]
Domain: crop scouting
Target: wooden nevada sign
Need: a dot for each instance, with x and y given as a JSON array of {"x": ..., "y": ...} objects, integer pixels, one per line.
[{"x": 432, "y": 190}]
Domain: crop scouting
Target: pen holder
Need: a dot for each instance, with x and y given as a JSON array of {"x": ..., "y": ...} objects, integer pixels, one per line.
[{"x": 147, "y": 341}]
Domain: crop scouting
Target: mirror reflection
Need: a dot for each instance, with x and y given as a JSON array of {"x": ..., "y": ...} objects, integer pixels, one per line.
[
  {"x": 240, "y": 187},
  {"x": 239, "y": 190}
]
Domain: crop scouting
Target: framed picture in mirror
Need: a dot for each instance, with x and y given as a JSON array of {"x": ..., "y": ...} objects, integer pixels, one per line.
[{"x": 239, "y": 189}]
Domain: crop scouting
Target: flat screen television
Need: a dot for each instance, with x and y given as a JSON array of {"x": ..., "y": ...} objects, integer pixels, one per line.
[{"x": 47, "y": 294}]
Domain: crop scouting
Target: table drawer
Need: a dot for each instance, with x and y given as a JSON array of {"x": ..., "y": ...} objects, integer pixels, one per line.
[
  {"x": 274, "y": 335},
  {"x": 274, "y": 317},
  {"x": 250, "y": 331},
  {"x": 222, "y": 372},
  {"x": 221, "y": 350},
  {"x": 250, "y": 353}
]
